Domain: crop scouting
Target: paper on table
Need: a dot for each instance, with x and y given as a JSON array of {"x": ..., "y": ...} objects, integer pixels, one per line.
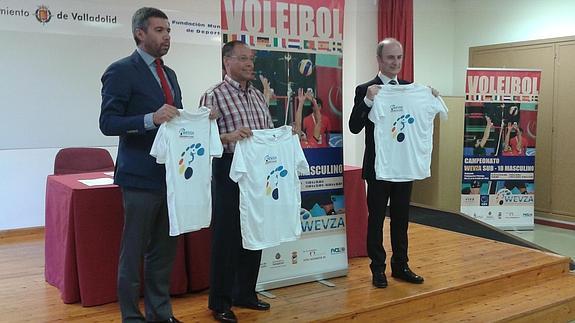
[{"x": 97, "y": 181}]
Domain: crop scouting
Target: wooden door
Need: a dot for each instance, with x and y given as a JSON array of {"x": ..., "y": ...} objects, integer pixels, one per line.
[{"x": 563, "y": 179}]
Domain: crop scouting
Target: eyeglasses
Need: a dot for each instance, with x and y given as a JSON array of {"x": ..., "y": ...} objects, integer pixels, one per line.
[{"x": 244, "y": 59}]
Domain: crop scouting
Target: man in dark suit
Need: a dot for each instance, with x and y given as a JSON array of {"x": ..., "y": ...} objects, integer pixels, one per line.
[
  {"x": 389, "y": 59},
  {"x": 138, "y": 94}
]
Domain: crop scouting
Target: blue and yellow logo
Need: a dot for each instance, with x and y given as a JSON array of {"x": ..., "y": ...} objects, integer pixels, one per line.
[
  {"x": 187, "y": 157},
  {"x": 273, "y": 180},
  {"x": 399, "y": 126}
]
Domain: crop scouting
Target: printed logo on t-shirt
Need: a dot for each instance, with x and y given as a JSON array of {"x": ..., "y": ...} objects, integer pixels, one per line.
[
  {"x": 270, "y": 159},
  {"x": 186, "y": 133},
  {"x": 396, "y": 108},
  {"x": 399, "y": 125},
  {"x": 187, "y": 157},
  {"x": 273, "y": 180}
]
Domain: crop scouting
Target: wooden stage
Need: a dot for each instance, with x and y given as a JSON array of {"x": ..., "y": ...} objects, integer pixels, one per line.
[{"x": 466, "y": 279}]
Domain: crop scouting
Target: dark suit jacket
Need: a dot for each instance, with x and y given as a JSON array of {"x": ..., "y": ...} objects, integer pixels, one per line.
[
  {"x": 358, "y": 120},
  {"x": 129, "y": 91}
]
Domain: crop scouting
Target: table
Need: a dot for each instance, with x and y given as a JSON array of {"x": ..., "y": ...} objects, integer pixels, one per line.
[
  {"x": 82, "y": 242},
  {"x": 355, "y": 211}
]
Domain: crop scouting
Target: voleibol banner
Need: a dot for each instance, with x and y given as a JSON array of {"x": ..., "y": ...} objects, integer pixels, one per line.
[
  {"x": 299, "y": 45},
  {"x": 500, "y": 133}
]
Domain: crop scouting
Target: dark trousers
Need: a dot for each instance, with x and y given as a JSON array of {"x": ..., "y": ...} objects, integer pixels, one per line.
[
  {"x": 234, "y": 270},
  {"x": 145, "y": 236},
  {"x": 399, "y": 195}
]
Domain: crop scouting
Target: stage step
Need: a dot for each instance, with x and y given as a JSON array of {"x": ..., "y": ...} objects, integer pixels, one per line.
[
  {"x": 507, "y": 283},
  {"x": 546, "y": 301},
  {"x": 541, "y": 293}
]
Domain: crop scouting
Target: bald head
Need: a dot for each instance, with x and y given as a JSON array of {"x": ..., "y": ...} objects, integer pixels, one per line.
[
  {"x": 386, "y": 42},
  {"x": 390, "y": 57}
]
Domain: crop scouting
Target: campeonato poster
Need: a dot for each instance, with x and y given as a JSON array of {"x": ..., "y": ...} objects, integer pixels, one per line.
[
  {"x": 500, "y": 134},
  {"x": 299, "y": 45}
]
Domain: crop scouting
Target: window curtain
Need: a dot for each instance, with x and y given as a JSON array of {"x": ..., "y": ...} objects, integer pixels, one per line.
[{"x": 395, "y": 19}]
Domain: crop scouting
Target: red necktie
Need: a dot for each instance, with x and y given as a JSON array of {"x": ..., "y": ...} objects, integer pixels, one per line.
[{"x": 165, "y": 86}]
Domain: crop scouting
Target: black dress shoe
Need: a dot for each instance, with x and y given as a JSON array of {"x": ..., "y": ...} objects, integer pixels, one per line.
[
  {"x": 379, "y": 280},
  {"x": 254, "y": 305},
  {"x": 404, "y": 273},
  {"x": 225, "y": 316}
]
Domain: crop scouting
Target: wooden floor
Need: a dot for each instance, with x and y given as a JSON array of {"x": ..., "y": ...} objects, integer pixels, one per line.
[{"x": 466, "y": 279}]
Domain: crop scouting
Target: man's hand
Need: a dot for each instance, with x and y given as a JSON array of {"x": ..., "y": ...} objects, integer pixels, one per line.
[
  {"x": 165, "y": 113},
  {"x": 295, "y": 131},
  {"x": 237, "y": 135},
  {"x": 214, "y": 114},
  {"x": 372, "y": 91}
]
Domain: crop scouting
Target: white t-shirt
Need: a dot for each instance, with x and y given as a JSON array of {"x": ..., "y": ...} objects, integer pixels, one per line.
[
  {"x": 403, "y": 117},
  {"x": 186, "y": 145},
  {"x": 266, "y": 167}
]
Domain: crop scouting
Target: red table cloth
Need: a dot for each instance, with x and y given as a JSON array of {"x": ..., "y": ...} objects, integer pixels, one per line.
[
  {"x": 82, "y": 242},
  {"x": 355, "y": 211}
]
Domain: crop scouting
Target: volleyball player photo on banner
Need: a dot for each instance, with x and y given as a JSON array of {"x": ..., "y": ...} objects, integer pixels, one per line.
[
  {"x": 298, "y": 47},
  {"x": 500, "y": 134}
]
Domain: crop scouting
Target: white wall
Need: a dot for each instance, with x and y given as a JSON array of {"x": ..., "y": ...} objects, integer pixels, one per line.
[
  {"x": 24, "y": 173},
  {"x": 50, "y": 90},
  {"x": 445, "y": 29},
  {"x": 433, "y": 34},
  {"x": 490, "y": 22},
  {"x": 359, "y": 66}
]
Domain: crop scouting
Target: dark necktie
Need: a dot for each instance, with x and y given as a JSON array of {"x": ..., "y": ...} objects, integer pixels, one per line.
[
  {"x": 392, "y": 82},
  {"x": 164, "y": 82}
]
